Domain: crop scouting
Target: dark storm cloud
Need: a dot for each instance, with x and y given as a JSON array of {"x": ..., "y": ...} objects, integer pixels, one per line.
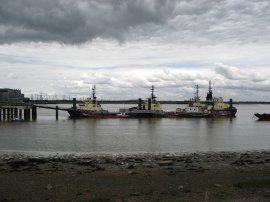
[
  {"x": 76, "y": 21},
  {"x": 193, "y": 21}
]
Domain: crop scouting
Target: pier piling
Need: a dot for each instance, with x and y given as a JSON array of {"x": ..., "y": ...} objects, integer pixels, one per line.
[
  {"x": 8, "y": 113},
  {"x": 4, "y": 114},
  {"x": 16, "y": 112},
  {"x": 27, "y": 114},
  {"x": 34, "y": 113},
  {"x": 12, "y": 113},
  {"x": 20, "y": 113},
  {"x": 74, "y": 103},
  {"x": 10, "y": 110},
  {"x": 56, "y": 112}
]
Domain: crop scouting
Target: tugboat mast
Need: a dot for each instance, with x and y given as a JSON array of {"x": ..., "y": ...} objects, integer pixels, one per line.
[
  {"x": 153, "y": 97},
  {"x": 94, "y": 94},
  {"x": 209, "y": 95},
  {"x": 197, "y": 93}
]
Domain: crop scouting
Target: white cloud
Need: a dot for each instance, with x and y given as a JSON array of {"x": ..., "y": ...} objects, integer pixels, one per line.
[
  {"x": 126, "y": 46},
  {"x": 12, "y": 76},
  {"x": 229, "y": 72}
]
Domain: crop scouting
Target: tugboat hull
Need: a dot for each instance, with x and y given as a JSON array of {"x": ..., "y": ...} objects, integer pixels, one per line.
[
  {"x": 145, "y": 114},
  {"x": 194, "y": 115},
  {"x": 263, "y": 117},
  {"x": 75, "y": 113},
  {"x": 226, "y": 113}
]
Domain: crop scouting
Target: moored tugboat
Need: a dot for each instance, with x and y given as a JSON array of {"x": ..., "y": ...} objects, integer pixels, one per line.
[
  {"x": 217, "y": 107},
  {"x": 90, "y": 108},
  {"x": 148, "y": 108},
  {"x": 195, "y": 109}
]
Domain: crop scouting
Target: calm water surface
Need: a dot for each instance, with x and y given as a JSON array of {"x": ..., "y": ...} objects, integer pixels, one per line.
[{"x": 137, "y": 135}]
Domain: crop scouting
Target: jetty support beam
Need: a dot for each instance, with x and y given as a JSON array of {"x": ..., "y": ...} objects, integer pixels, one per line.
[
  {"x": 20, "y": 113},
  {"x": 27, "y": 114},
  {"x": 8, "y": 114},
  {"x": 16, "y": 112},
  {"x": 56, "y": 112},
  {"x": 74, "y": 103},
  {"x": 34, "y": 113},
  {"x": 4, "y": 114}
]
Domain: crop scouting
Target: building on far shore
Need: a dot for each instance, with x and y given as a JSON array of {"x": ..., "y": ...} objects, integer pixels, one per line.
[{"x": 11, "y": 95}]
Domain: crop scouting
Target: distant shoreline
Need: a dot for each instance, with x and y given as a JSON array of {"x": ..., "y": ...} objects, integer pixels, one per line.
[{"x": 135, "y": 102}]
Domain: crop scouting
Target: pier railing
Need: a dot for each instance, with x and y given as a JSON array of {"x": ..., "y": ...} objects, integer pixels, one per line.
[{"x": 16, "y": 104}]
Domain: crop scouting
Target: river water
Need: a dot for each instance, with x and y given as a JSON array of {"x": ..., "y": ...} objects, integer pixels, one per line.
[{"x": 65, "y": 135}]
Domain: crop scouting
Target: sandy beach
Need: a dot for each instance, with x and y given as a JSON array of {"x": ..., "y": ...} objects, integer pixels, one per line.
[{"x": 210, "y": 176}]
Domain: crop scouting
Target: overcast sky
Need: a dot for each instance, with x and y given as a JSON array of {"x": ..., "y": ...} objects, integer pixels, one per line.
[{"x": 64, "y": 47}]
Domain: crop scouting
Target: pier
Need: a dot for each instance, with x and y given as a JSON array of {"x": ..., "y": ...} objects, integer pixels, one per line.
[
  {"x": 26, "y": 111},
  {"x": 21, "y": 110}
]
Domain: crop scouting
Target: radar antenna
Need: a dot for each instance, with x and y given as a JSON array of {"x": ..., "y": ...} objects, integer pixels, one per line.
[
  {"x": 209, "y": 95},
  {"x": 197, "y": 93},
  {"x": 94, "y": 94},
  {"x": 153, "y": 97}
]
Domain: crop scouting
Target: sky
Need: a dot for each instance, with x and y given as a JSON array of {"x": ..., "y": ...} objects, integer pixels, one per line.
[{"x": 62, "y": 48}]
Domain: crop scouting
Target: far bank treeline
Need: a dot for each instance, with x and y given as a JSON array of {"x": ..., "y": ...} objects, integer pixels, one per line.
[{"x": 135, "y": 102}]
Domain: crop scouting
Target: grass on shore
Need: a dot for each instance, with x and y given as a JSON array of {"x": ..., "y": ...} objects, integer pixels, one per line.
[{"x": 254, "y": 183}]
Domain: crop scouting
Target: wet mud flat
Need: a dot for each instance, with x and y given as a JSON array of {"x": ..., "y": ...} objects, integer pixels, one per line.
[{"x": 210, "y": 176}]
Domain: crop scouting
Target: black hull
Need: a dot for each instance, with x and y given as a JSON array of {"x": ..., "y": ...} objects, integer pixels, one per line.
[
  {"x": 194, "y": 115},
  {"x": 75, "y": 113},
  {"x": 141, "y": 115},
  {"x": 145, "y": 114},
  {"x": 231, "y": 112},
  {"x": 263, "y": 117}
]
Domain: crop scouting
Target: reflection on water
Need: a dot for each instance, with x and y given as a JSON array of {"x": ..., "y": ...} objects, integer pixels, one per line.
[{"x": 137, "y": 135}]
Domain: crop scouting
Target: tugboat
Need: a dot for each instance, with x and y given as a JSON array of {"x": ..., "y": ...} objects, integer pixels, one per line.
[
  {"x": 263, "y": 117},
  {"x": 148, "y": 108},
  {"x": 217, "y": 107},
  {"x": 195, "y": 109},
  {"x": 90, "y": 108}
]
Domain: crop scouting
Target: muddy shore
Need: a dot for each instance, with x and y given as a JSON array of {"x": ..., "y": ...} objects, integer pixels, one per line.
[{"x": 210, "y": 176}]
